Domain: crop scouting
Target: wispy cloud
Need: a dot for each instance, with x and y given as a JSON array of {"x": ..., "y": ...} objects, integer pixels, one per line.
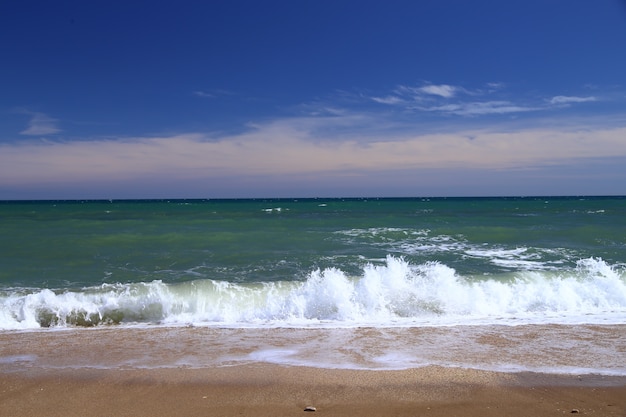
[
  {"x": 480, "y": 108},
  {"x": 213, "y": 93},
  {"x": 297, "y": 146},
  {"x": 495, "y": 86},
  {"x": 406, "y": 94},
  {"x": 571, "y": 99},
  {"x": 488, "y": 99},
  {"x": 443, "y": 90},
  {"x": 203, "y": 94},
  {"x": 430, "y": 91},
  {"x": 40, "y": 124},
  {"x": 388, "y": 100},
  {"x": 349, "y": 137}
]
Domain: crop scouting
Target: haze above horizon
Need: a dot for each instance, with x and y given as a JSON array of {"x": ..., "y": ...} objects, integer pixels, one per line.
[{"x": 248, "y": 99}]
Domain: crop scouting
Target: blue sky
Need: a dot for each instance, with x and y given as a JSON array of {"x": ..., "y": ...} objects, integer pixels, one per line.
[{"x": 212, "y": 99}]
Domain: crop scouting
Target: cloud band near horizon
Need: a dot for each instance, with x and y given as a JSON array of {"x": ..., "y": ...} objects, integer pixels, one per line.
[{"x": 285, "y": 149}]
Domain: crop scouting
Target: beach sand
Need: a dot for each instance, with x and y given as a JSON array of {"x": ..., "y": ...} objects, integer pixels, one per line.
[
  {"x": 274, "y": 390},
  {"x": 216, "y": 372}
]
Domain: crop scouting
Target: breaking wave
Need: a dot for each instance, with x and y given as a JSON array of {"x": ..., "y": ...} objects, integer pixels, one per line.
[{"x": 394, "y": 294}]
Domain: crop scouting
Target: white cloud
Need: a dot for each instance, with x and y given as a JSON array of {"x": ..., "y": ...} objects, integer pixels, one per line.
[
  {"x": 404, "y": 95},
  {"x": 330, "y": 142},
  {"x": 452, "y": 100},
  {"x": 443, "y": 90},
  {"x": 388, "y": 100},
  {"x": 40, "y": 124},
  {"x": 213, "y": 93},
  {"x": 294, "y": 147},
  {"x": 571, "y": 99},
  {"x": 494, "y": 86},
  {"x": 479, "y": 108},
  {"x": 203, "y": 94}
]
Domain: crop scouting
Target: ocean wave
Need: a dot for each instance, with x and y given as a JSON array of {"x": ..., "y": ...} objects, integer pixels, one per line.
[{"x": 393, "y": 294}]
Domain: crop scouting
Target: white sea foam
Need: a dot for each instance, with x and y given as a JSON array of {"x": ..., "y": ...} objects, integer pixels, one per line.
[
  {"x": 420, "y": 242},
  {"x": 519, "y": 258},
  {"x": 273, "y": 209},
  {"x": 393, "y": 294}
]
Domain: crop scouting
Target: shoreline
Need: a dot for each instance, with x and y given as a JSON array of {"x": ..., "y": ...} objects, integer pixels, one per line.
[
  {"x": 246, "y": 372},
  {"x": 546, "y": 349},
  {"x": 273, "y": 390}
]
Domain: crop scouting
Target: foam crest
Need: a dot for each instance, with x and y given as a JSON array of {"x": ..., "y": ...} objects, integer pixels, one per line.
[{"x": 393, "y": 294}]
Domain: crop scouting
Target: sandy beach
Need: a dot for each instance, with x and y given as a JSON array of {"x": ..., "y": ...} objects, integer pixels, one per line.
[
  {"x": 272, "y": 390},
  {"x": 237, "y": 372}
]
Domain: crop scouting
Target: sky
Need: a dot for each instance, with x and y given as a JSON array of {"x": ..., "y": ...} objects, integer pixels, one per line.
[{"x": 303, "y": 98}]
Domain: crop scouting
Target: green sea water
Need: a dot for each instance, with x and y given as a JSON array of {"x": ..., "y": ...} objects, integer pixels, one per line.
[
  {"x": 60, "y": 244},
  {"x": 82, "y": 247}
]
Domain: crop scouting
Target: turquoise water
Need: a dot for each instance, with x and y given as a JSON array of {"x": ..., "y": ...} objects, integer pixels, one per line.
[{"x": 311, "y": 261}]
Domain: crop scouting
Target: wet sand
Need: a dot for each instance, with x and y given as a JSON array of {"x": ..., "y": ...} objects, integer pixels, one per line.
[
  {"x": 228, "y": 372},
  {"x": 569, "y": 349},
  {"x": 274, "y": 390}
]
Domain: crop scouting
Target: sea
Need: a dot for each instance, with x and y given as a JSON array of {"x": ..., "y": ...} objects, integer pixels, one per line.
[{"x": 505, "y": 284}]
